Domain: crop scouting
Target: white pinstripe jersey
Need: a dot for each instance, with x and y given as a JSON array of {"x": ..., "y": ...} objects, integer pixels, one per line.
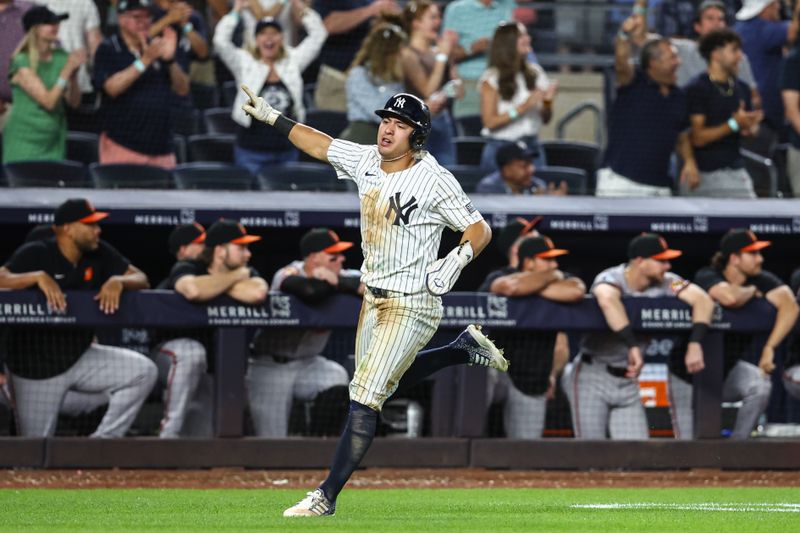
[{"x": 402, "y": 214}]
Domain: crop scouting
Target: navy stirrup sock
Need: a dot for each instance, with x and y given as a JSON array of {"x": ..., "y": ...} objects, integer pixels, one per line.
[
  {"x": 353, "y": 445},
  {"x": 430, "y": 361}
]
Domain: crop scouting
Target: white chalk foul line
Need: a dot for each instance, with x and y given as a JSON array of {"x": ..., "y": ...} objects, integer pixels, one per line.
[{"x": 722, "y": 507}]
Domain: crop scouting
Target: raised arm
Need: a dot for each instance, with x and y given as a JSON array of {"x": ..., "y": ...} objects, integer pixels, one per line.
[{"x": 305, "y": 138}]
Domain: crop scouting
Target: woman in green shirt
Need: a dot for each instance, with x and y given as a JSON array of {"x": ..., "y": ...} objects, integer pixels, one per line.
[{"x": 42, "y": 77}]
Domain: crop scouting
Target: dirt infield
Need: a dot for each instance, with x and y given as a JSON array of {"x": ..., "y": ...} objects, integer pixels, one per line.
[{"x": 390, "y": 478}]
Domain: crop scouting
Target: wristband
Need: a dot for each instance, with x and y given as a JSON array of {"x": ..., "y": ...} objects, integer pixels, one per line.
[
  {"x": 698, "y": 333},
  {"x": 639, "y": 10},
  {"x": 61, "y": 82},
  {"x": 626, "y": 335},
  {"x": 733, "y": 125},
  {"x": 513, "y": 113},
  {"x": 235, "y": 14},
  {"x": 284, "y": 125},
  {"x": 138, "y": 65},
  {"x": 441, "y": 57},
  {"x": 188, "y": 28},
  {"x": 622, "y": 36}
]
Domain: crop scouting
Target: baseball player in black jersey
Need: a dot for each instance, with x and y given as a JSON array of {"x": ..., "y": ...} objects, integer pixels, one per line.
[
  {"x": 181, "y": 359},
  {"x": 221, "y": 268},
  {"x": 734, "y": 278},
  {"x": 46, "y": 365},
  {"x": 407, "y": 199},
  {"x": 539, "y": 356}
]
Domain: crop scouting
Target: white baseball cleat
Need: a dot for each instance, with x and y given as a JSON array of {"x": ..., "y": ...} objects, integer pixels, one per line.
[
  {"x": 481, "y": 349},
  {"x": 314, "y": 504}
]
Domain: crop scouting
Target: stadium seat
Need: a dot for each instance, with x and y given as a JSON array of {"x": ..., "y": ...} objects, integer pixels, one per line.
[
  {"x": 218, "y": 120},
  {"x": 210, "y": 147},
  {"x": 46, "y": 174},
  {"x": 204, "y": 96},
  {"x": 180, "y": 147},
  {"x": 467, "y": 175},
  {"x": 331, "y": 122},
  {"x": 187, "y": 121},
  {"x": 469, "y": 150},
  {"x": 82, "y": 147},
  {"x": 576, "y": 178},
  {"x": 228, "y": 94},
  {"x": 469, "y": 126},
  {"x": 763, "y": 173},
  {"x": 574, "y": 154},
  {"x": 213, "y": 176},
  {"x": 130, "y": 176},
  {"x": 300, "y": 176}
]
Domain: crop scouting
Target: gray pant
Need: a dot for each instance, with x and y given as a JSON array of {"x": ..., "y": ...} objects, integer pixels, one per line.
[
  {"x": 791, "y": 381},
  {"x": 523, "y": 414},
  {"x": 745, "y": 382},
  {"x": 723, "y": 183},
  {"x": 603, "y": 404},
  {"x": 181, "y": 365},
  {"x": 272, "y": 386},
  {"x": 122, "y": 376}
]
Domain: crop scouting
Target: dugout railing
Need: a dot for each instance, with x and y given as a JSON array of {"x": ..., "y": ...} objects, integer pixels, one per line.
[{"x": 457, "y": 425}]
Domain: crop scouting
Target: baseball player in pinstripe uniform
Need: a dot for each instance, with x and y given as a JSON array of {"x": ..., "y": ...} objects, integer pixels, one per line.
[
  {"x": 601, "y": 384},
  {"x": 407, "y": 199}
]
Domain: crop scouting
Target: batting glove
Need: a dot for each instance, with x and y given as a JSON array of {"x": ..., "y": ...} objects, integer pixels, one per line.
[
  {"x": 259, "y": 109},
  {"x": 443, "y": 273}
]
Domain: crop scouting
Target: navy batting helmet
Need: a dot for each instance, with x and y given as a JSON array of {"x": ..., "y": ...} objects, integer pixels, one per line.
[{"x": 413, "y": 112}]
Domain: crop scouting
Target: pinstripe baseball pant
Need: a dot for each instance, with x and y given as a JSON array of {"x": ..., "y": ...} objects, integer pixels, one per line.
[
  {"x": 390, "y": 333},
  {"x": 124, "y": 376}
]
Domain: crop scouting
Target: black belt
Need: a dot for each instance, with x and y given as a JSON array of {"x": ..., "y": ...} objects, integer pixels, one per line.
[
  {"x": 383, "y": 293},
  {"x": 613, "y": 370}
]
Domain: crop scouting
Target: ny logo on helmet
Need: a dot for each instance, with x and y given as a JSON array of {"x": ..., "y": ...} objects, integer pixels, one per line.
[{"x": 400, "y": 102}]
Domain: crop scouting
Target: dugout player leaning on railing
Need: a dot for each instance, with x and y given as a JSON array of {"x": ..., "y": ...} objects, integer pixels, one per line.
[
  {"x": 734, "y": 278},
  {"x": 46, "y": 363},
  {"x": 221, "y": 268},
  {"x": 287, "y": 363},
  {"x": 538, "y": 356},
  {"x": 602, "y": 384}
]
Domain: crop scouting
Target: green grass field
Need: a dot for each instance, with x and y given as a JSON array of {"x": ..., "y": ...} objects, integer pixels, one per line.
[{"x": 645, "y": 509}]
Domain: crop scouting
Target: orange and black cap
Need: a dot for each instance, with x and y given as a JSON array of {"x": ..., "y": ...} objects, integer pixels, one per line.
[
  {"x": 651, "y": 246},
  {"x": 741, "y": 240},
  {"x": 539, "y": 246},
  {"x": 77, "y": 210},
  {"x": 186, "y": 234},
  {"x": 322, "y": 240},
  {"x": 226, "y": 231}
]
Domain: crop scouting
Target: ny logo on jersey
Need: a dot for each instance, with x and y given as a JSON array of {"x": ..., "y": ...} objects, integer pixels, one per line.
[
  {"x": 402, "y": 212},
  {"x": 400, "y": 102}
]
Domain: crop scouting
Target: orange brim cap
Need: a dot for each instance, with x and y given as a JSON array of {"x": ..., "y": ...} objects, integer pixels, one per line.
[
  {"x": 94, "y": 217},
  {"x": 555, "y": 252},
  {"x": 339, "y": 247},
  {"x": 667, "y": 254},
  {"x": 758, "y": 245},
  {"x": 246, "y": 239}
]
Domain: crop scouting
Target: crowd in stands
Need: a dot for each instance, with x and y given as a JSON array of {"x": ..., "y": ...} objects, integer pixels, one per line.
[{"x": 157, "y": 82}]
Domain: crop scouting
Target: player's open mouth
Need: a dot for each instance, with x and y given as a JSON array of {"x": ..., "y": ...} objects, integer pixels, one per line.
[{"x": 385, "y": 141}]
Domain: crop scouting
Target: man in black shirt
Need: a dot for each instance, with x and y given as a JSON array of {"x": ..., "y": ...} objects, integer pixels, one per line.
[
  {"x": 733, "y": 279},
  {"x": 45, "y": 364},
  {"x": 287, "y": 364},
  {"x": 181, "y": 381},
  {"x": 220, "y": 269},
  {"x": 721, "y": 112},
  {"x": 539, "y": 356}
]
